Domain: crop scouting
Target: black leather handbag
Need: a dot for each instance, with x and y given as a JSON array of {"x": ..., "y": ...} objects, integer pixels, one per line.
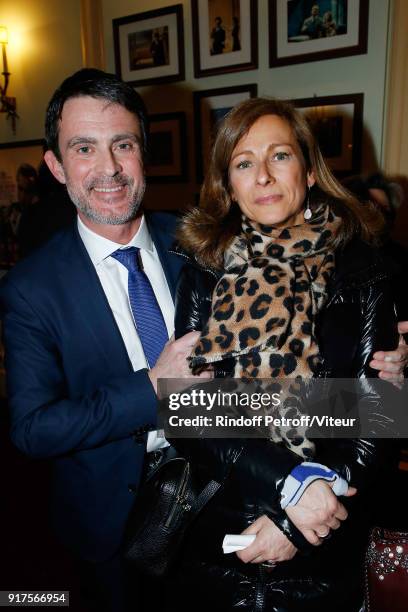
[{"x": 166, "y": 505}]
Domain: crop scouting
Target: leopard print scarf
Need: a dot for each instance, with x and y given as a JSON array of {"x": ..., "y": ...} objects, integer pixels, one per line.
[{"x": 265, "y": 305}]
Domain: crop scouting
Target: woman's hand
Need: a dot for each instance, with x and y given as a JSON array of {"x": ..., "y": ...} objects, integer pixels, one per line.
[
  {"x": 318, "y": 511},
  {"x": 270, "y": 543},
  {"x": 392, "y": 363}
]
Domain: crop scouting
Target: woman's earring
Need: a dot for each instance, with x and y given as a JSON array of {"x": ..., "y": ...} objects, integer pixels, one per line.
[{"x": 308, "y": 211}]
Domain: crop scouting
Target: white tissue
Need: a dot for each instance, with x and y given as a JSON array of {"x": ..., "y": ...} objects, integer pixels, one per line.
[{"x": 233, "y": 543}]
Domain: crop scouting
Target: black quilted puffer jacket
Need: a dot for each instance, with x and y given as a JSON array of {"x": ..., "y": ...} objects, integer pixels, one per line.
[{"x": 357, "y": 320}]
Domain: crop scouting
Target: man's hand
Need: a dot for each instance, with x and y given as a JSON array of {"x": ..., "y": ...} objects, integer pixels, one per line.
[
  {"x": 392, "y": 363},
  {"x": 318, "y": 511},
  {"x": 270, "y": 543},
  {"x": 172, "y": 361}
]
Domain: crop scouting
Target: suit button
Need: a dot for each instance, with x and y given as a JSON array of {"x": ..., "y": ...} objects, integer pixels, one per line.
[{"x": 132, "y": 488}]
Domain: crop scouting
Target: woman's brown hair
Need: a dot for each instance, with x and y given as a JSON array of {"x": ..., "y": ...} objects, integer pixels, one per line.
[{"x": 207, "y": 231}]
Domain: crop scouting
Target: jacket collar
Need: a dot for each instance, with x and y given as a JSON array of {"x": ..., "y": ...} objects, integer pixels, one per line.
[
  {"x": 191, "y": 259},
  {"x": 161, "y": 227}
]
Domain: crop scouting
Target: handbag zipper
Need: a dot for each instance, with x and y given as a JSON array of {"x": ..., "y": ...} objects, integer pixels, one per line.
[{"x": 180, "y": 496}]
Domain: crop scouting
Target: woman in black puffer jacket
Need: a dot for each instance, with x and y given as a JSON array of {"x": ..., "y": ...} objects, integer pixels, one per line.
[{"x": 281, "y": 282}]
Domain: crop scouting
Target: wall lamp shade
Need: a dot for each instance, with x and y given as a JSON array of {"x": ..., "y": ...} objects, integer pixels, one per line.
[
  {"x": 7, "y": 104},
  {"x": 3, "y": 35}
]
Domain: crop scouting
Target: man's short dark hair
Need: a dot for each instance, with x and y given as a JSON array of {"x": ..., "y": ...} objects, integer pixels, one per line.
[{"x": 96, "y": 84}]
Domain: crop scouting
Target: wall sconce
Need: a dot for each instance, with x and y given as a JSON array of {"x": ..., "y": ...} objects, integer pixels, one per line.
[{"x": 7, "y": 104}]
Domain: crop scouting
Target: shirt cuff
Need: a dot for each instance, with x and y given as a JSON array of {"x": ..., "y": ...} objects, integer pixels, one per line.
[{"x": 303, "y": 475}]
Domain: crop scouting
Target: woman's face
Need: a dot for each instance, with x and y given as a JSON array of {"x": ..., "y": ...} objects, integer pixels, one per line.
[{"x": 267, "y": 174}]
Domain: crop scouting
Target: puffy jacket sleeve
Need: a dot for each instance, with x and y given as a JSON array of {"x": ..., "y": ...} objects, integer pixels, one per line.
[
  {"x": 193, "y": 299},
  {"x": 358, "y": 460}
]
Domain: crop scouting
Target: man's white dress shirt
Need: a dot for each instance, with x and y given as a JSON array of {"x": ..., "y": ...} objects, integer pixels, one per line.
[{"x": 114, "y": 280}]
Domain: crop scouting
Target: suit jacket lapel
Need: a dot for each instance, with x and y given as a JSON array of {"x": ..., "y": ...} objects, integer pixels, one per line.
[
  {"x": 91, "y": 304},
  {"x": 88, "y": 298}
]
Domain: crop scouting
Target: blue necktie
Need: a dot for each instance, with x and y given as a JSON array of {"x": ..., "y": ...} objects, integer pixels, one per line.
[{"x": 147, "y": 315}]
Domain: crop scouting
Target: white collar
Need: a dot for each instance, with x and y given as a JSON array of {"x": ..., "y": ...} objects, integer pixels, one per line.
[{"x": 99, "y": 248}]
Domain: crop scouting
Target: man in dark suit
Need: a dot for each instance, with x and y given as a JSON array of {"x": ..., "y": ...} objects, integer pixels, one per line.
[{"x": 81, "y": 382}]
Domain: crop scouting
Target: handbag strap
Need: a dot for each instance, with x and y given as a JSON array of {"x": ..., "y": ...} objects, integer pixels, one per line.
[
  {"x": 212, "y": 487},
  {"x": 206, "y": 494}
]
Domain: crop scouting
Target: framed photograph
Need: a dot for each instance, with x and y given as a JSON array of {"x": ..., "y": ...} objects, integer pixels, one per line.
[
  {"x": 149, "y": 46},
  {"x": 225, "y": 37},
  {"x": 12, "y": 155},
  {"x": 209, "y": 107},
  {"x": 167, "y": 161},
  {"x": 337, "y": 122},
  {"x": 309, "y": 30}
]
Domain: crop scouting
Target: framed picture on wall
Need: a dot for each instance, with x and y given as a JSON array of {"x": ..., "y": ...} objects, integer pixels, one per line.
[
  {"x": 337, "y": 122},
  {"x": 224, "y": 36},
  {"x": 149, "y": 46},
  {"x": 210, "y": 106},
  {"x": 309, "y": 30},
  {"x": 167, "y": 161}
]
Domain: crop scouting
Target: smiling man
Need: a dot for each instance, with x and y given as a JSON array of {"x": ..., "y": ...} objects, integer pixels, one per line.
[
  {"x": 100, "y": 159},
  {"x": 87, "y": 322}
]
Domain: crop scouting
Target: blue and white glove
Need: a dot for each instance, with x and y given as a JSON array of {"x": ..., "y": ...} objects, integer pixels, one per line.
[{"x": 303, "y": 475}]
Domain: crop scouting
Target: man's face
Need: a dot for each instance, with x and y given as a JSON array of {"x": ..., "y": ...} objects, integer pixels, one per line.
[{"x": 101, "y": 160}]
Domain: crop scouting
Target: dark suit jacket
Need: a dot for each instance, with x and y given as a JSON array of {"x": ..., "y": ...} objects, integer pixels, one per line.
[{"x": 72, "y": 392}]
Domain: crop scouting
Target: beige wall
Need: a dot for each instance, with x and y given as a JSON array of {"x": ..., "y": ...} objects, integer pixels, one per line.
[
  {"x": 44, "y": 47},
  {"x": 361, "y": 73}
]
